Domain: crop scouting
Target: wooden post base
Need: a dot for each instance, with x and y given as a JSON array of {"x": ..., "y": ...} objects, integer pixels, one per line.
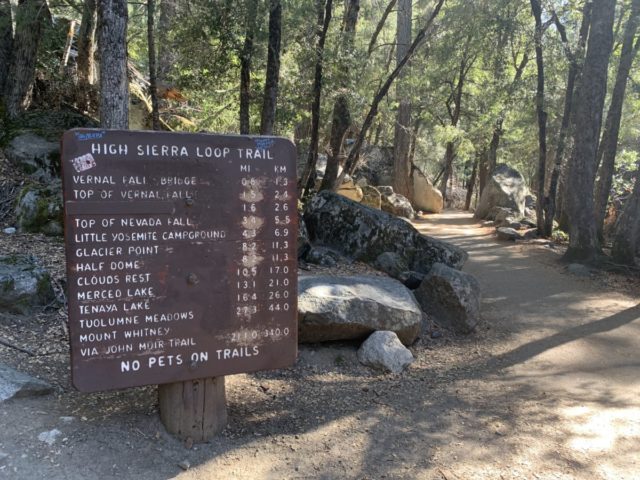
[{"x": 194, "y": 409}]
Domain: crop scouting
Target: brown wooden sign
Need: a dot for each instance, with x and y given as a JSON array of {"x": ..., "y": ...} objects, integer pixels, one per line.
[{"x": 180, "y": 255}]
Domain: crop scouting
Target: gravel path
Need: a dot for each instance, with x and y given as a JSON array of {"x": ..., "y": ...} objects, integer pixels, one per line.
[{"x": 547, "y": 388}]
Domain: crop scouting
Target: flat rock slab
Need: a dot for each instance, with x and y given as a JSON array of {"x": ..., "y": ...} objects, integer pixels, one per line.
[
  {"x": 14, "y": 384},
  {"x": 352, "y": 307}
]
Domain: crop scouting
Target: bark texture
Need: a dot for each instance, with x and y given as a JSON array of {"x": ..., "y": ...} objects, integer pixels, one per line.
[
  {"x": 268, "y": 118},
  {"x": 6, "y": 40},
  {"x": 30, "y": 19},
  {"x": 245, "y": 67},
  {"x": 402, "y": 182},
  {"x": 609, "y": 143},
  {"x": 589, "y": 103},
  {"x": 114, "y": 84},
  {"x": 85, "y": 62},
  {"x": 167, "y": 55},
  {"x": 153, "y": 85},
  {"x": 542, "y": 119},
  {"x": 557, "y": 182},
  {"x": 324, "y": 18}
]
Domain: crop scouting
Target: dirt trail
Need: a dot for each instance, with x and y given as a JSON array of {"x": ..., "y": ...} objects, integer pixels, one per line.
[{"x": 546, "y": 389}]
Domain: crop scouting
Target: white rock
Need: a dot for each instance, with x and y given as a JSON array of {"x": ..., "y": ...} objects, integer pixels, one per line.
[
  {"x": 9, "y": 230},
  {"x": 383, "y": 350},
  {"x": 49, "y": 437}
]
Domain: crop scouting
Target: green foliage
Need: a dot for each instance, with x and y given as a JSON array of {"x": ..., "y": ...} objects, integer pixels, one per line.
[{"x": 493, "y": 37}]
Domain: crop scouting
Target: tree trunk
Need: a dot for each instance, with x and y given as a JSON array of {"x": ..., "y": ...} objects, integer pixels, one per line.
[
  {"x": 556, "y": 185},
  {"x": 85, "y": 62},
  {"x": 379, "y": 26},
  {"x": 341, "y": 117},
  {"x": 542, "y": 119},
  {"x": 30, "y": 17},
  {"x": 625, "y": 243},
  {"x": 449, "y": 156},
  {"x": 114, "y": 84},
  {"x": 402, "y": 136},
  {"x": 352, "y": 160},
  {"x": 472, "y": 182},
  {"x": 324, "y": 17},
  {"x": 590, "y": 93},
  {"x": 484, "y": 168},
  {"x": 454, "y": 115},
  {"x": 341, "y": 120},
  {"x": 609, "y": 144},
  {"x": 166, "y": 44},
  {"x": 245, "y": 67},
  {"x": 492, "y": 153},
  {"x": 6, "y": 40},
  {"x": 268, "y": 117},
  {"x": 153, "y": 86}
]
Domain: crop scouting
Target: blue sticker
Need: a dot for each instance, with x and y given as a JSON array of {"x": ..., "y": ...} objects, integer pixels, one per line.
[
  {"x": 89, "y": 135},
  {"x": 264, "y": 143}
]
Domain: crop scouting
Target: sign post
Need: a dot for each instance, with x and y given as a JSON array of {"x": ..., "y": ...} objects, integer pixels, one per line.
[{"x": 181, "y": 265}]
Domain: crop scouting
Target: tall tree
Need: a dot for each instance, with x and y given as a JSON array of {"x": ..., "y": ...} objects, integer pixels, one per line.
[
  {"x": 114, "y": 83},
  {"x": 536, "y": 9},
  {"x": 341, "y": 116},
  {"x": 609, "y": 143},
  {"x": 575, "y": 58},
  {"x": 87, "y": 44},
  {"x": 402, "y": 180},
  {"x": 324, "y": 8},
  {"x": 245, "y": 66},
  {"x": 589, "y": 103},
  {"x": 268, "y": 118},
  {"x": 425, "y": 32},
  {"x": 153, "y": 86},
  {"x": 627, "y": 233},
  {"x": 6, "y": 40},
  {"x": 454, "y": 109},
  {"x": 167, "y": 54},
  {"x": 31, "y": 16}
]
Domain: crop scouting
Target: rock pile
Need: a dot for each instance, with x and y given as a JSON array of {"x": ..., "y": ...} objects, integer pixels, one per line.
[{"x": 339, "y": 307}]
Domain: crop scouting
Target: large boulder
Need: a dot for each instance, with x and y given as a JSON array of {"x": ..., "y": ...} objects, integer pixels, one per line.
[
  {"x": 384, "y": 351},
  {"x": 505, "y": 188},
  {"x": 39, "y": 209},
  {"x": 345, "y": 307},
  {"x": 426, "y": 197},
  {"x": 452, "y": 297},
  {"x": 34, "y": 155},
  {"x": 363, "y": 234},
  {"x": 23, "y": 284},
  {"x": 397, "y": 205},
  {"x": 14, "y": 384}
]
